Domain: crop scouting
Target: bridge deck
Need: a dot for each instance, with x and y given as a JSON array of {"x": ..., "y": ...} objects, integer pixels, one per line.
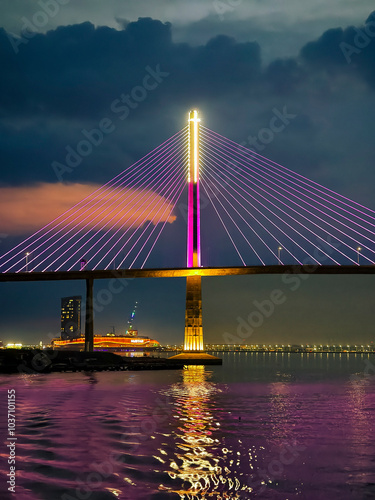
[{"x": 183, "y": 272}]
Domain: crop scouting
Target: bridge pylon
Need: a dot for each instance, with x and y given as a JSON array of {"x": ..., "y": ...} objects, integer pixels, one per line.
[
  {"x": 193, "y": 317},
  {"x": 193, "y": 344}
]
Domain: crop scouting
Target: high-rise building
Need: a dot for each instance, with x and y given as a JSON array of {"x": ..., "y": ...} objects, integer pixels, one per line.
[{"x": 71, "y": 317}]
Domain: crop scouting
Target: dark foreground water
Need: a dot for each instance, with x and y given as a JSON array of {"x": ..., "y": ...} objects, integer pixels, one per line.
[{"x": 268, "y": 426}]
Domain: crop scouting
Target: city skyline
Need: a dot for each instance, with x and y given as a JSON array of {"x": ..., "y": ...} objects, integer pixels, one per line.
[{"x": 321, "y": 90}]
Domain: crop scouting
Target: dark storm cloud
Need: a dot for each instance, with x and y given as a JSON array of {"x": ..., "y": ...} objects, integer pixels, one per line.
[
  {"x": 74, "y": 71},
  {"x": 352, "y": 49},
  {"x": 71, "y": 78}
]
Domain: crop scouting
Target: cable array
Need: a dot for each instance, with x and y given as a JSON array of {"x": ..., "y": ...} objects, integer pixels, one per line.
[
  {"x": 117, "y": 225},
  {"x": 269, "y": 214},
  {"x": 274, "y": 215}
]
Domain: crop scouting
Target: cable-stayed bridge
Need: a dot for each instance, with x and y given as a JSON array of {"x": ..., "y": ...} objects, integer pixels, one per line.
[{"x": 273, "y": 219}]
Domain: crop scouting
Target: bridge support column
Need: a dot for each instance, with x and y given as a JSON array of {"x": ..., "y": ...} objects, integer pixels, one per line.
[
  {"x": 193, "y": 315},
  {"x": 193, "y": 352},
  {"x": 89, "y": 322}
]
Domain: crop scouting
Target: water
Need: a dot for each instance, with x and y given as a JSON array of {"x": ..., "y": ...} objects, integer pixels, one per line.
[{"x": 267, "y": 426}]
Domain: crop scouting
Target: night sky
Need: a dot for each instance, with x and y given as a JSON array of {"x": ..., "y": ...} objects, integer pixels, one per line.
[{"x": 63, "y": 67}]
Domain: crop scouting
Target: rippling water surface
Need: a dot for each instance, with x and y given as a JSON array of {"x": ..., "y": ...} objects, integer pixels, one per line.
[{"x": 268, "y": 426}]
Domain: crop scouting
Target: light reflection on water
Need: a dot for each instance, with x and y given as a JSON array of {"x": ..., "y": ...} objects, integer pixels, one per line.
[
  {"x": 200, "y": 462},
  {"x": 259, "y": 427}
]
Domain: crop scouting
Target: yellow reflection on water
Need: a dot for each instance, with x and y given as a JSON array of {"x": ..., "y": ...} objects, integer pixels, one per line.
[
  {"x": 360, "y": 429},
  {"x": 200, "y": 464},
  {"x": 282, "y": 407}
]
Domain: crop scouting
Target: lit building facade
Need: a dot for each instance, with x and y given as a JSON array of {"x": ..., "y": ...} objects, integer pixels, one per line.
[{"x": 71, "y": 317}]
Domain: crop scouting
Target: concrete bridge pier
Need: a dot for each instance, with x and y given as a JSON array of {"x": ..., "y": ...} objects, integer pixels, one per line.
[
  {"x": 193, "y": 315},
  {"x": 89, "y": 320}
]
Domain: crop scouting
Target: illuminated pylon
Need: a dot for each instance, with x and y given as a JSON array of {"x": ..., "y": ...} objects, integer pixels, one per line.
[{"x": 193, "y": 316}]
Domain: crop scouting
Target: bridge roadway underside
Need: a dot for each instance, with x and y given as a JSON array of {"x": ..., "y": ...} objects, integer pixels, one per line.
[{"x": 183, "y": 272}]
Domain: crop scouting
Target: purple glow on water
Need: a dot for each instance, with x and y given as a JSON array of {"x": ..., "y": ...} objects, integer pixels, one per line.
[{"x": 267, "y": 426}]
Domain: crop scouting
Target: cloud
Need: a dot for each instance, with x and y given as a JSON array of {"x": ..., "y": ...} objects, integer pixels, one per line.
[
  {"x": 347, "y": 50},
  {"x": 64, "y": 81},
  {"x": 27, "y": 209},
  {"x": 77, "y": 71}
]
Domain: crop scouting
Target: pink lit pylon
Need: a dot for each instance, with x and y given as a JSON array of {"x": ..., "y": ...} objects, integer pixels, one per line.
[
  {"x": 193, "y": 316},
  {"x": 193, "y": 236}
]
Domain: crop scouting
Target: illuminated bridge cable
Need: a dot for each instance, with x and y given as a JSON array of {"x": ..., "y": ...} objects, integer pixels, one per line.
[
  {"x": 99, "y": 218},
  {"x": 284, "y": 172},
  {"x": 165, "y": 222},
  {"x": 33, "y": 248},
  {"x": 98, "y": 193},
  {"x": 90, "y": 197},
  {"x": 222, "y": 222},
  {"x": 277, "y": 240},
  {"x": 176, "y": 161},
  {"x": 159, "y": 215},
  {"x": 167, "y": 210},
  {"x": 145, "y": 185},
  {"x": 144, "y": 196},
  {"x": 96, "y": 243},
  {"x": 254, "y": 169},
  {"x": 277, "y": 227},
  {"x": 145, "y": 176},
  {"x": 170, "y": 191},
  {"x": 290, "y": 201},
  {"x": 289, "y": 216},
  {"x": 310, "y": 217},
  {"x": 171, "y": 185},
  {"x": 156, "y": 174},
  {"x": 218, "y": 191},
  {"x": 291, "y": 227},
  {"x": 235, "y": 198},
  {"x": 215, "y": 195}
]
